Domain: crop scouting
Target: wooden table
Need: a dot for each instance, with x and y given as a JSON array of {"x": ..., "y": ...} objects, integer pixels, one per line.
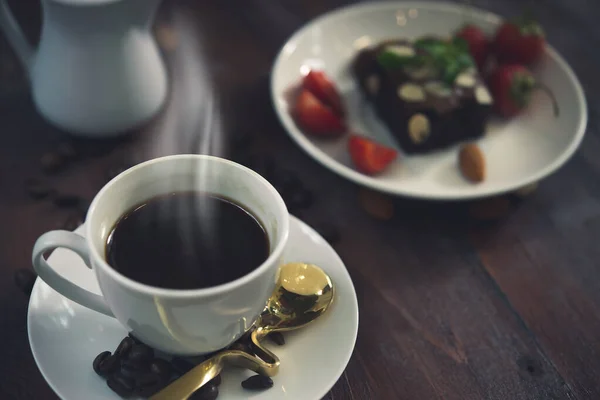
[{"x": 449, "y": 308}]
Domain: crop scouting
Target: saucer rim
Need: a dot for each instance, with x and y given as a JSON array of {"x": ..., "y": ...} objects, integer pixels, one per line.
[
  {"x": 294, "y": 221},
  {"x": 396, "y": 187}
]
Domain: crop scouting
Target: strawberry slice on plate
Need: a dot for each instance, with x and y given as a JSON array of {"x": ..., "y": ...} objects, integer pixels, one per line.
[
  {"x": 315, "y": 117},
  {"x": 369, "y": 156},
  {"x": 321, "y": 86}
]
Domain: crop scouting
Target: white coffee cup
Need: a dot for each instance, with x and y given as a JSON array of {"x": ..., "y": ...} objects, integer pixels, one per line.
[{"x": 183, "y": 322}]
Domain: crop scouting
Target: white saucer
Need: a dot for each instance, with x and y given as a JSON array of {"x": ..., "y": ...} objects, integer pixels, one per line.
[
  {"x": 66, "y": 337},
  {"x": 518, "y": 151}
]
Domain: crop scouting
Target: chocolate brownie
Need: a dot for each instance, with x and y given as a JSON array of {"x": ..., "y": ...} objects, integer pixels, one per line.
[{"x": 425, "y": 106}]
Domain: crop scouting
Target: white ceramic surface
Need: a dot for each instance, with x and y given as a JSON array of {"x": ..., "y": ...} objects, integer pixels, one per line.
[
  {"x": 97, "y": 70},
  {"x": 518, "y": 152},
  {"x": 167, "y": 319},
  {"x": 65, "y": 337}
]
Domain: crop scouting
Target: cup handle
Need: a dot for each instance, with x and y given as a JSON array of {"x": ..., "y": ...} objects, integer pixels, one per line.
[{"x": 52, "y": 240}]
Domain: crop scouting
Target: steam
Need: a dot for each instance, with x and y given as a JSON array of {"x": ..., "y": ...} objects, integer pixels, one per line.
[{"x": 191, "y": 124}]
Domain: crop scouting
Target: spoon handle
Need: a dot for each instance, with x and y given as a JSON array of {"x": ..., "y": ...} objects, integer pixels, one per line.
[
  {"x": 260, "y": 351},
  {"x": 193, "y": 380},
  {"x": 201, "y": 374}
]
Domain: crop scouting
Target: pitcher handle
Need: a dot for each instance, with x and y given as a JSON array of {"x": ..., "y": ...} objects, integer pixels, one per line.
[
  {"x": 15, "y": 36},
  {"x": 52, "y": 240}
]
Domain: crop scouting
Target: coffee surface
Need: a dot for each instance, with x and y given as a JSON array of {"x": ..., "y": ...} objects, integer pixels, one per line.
[{"x": 187, "y": 240}]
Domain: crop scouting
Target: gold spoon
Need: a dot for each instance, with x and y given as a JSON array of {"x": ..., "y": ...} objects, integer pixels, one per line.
[{"x": 303, "y": 293}]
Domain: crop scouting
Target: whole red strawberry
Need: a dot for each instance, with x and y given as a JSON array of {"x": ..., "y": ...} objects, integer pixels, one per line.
[
  {"x": 511, "y": 86},
  {"x": 479, "y": 45},
  {"x": 521, "y": 41}
]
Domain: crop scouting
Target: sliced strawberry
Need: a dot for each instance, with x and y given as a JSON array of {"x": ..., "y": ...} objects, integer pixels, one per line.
[
  {"x": 368, "y": 156},
  {"x": 321, "y": 86},
  {"x": 315, "y": 117}
]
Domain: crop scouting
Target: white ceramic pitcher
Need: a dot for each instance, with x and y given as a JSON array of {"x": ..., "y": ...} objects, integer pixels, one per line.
[{"x": 97, "y": 71}]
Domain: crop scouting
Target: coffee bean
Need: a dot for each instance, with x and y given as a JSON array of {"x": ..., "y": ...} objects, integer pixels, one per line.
[
  {"x": 141, "y": 353},
  {"x": 277, "y": 338},
  {"x": 67, "y": 201},
  {"x": 216, "y": 380},
  {"x": 180, "y": 365},
  {"x": 135, "y": 340},
  {"x": 98, "y": 361},
  {"x": 206, "y": 392},
  {"x": 125, "y": 381},
  {"x": 134, "y": 370},
  {"x": 36, "y": 189},
  {"x": 25, "y": 279},
  {"x": 257, "y": 382},
  {"x": 150, "y": 389},
  {"x": 66, "y": 150},
  {"x": 161, "y": 368},
  {"x": 147, "y": 379},
  {"x": 124, "y": 347},
  {"x": 105, "y": 363},
  {"x": 109, "y": 365},
  {"x": 135, "y": 366},
  {"x": 131, "y": 373},
  {"x": 120, "y": 385},
  {"x": 51, "y": 162}
]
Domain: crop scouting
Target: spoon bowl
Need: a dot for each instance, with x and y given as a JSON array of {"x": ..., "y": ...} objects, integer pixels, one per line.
[{"x": 303, "y": 293}]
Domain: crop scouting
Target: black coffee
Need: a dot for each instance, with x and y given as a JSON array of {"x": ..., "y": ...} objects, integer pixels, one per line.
[{"x": 187, "y": 240}]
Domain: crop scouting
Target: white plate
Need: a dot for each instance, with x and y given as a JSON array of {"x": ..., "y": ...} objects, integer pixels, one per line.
[
  {"x": 518, "y": 152},
  {"x": 66, "y": 337}
]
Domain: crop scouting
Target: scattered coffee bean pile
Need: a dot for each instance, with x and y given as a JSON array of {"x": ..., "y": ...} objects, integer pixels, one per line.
[
  {"x": 134, "y": 370},
  {"x": 61, "y": 156}
]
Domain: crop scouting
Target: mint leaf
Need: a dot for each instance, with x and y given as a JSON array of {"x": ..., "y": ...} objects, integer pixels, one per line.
[
  {"x": 435, "y": 47},
  {"x": 391, "y": 60},
  {"x": 460, "y": 44}
]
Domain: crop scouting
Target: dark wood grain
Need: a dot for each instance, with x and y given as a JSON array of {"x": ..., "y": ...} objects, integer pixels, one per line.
[{"x": 449, "y": 309}]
